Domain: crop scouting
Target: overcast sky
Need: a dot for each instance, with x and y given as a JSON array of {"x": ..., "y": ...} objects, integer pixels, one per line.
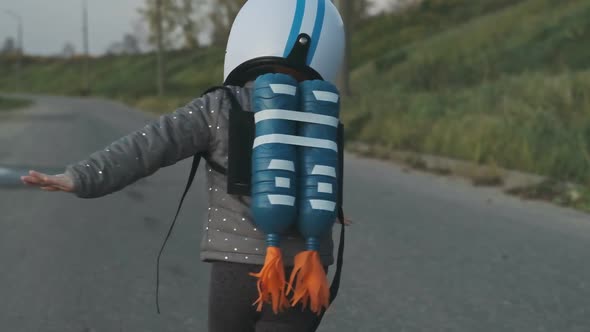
[{"x": 48, "y": 25}]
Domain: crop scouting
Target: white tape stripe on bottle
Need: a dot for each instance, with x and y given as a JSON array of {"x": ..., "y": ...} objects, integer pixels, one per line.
[
  {"x": 285, "y": 165},
  {"x": 295, "y": 140},
  {"x": 326, "y": 96},
  {"x": 278, "y": 114},
  {"x": 324, "y": 170},
  {"x": 325, "y": 188},
  {"x": 281, "y": 200},
  {"x": 284, "y": 89},
  {"x": 319, "y": 204},
  {"x": 281, "y": 182}
]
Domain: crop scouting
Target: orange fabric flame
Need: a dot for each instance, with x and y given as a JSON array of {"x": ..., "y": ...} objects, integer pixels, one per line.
[
  {"x": 272, "y": 282},
  {"x": 312, "y": 284}
]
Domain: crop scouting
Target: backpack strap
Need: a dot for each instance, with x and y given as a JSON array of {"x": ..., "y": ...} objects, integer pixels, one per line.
[
  {"x": 337, "y": 275},
  {"x": 340, "y": 259},
  {"x": 240, "y": 141},
  {"x": 191, "y": 177},
  {"x": 241, "y": 134}
]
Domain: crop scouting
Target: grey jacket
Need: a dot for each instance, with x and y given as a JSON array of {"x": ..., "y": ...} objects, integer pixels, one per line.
[{"x": 201, "y": 126}]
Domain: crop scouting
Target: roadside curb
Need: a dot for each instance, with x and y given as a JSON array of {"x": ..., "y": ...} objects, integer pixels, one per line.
[
  {"x": 527, "y": 186},
  {"x": 480, "y": 175}
]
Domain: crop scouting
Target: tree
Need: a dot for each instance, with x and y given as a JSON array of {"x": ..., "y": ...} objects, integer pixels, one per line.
[
  {"x": 129, "y": 45},
  {"x": 188, "y": 22},
  {"x": 158, "y": 21},
  {"x": 159, "y": 15},
  {"x": 9, "y": 46},
  {"x": 165, "y": 18},
  {"x": 397, "y": 5},
  {"x": 140, "y": 31},
  {"x": 346, "y": 7},
  {"x": 222, "y": 18},
  {"x": 68, "y": 50},
  {"x": 359, "y": 12},
  {"x": 180, "y": 19},
  {"x": 114, "y": 48}
]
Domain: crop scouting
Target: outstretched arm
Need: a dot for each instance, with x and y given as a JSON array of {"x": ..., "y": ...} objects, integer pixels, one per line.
[{"x": 163, "y": 142}]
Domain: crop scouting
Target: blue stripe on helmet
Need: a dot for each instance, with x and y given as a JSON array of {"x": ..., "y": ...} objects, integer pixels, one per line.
[
  {"x": 317, "y": 30},
  {"x": 295, "y": 27}
]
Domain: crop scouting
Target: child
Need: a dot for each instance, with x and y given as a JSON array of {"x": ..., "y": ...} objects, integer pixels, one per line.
[{"x": 301, "y": 38}]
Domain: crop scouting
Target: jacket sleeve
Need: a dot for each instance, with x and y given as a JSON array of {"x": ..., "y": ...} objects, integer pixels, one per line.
[{"x": 161, "y": 143}]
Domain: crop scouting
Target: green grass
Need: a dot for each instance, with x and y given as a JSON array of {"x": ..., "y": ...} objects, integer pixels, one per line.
[
  {"x": 10, "y": 104},
  {"x": 560, "y": 193},
  {"x": 128, "y": 78},
  {"x": 508, "y": 87},
  {"x": 500, "y": 82}
]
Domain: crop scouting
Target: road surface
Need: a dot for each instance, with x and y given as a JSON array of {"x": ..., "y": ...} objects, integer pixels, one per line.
[{"x": 426, "y": 253}]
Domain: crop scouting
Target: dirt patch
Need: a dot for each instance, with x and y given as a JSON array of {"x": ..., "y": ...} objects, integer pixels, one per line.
[{"x": 560, "y": 193}]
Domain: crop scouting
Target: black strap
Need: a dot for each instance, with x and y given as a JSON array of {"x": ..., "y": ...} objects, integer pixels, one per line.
[
  {"x": 194, "y": 167},
  {"x": 339, "y": 260},
  {"x": 240, "y": 141},
  {"x": 336, "y": 281}
]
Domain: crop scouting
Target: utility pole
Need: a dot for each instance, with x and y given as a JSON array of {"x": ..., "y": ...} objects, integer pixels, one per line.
[
  {"x": 345, "y": 8},
  {"x": 160, "y": 45},
  {"x": 86, "y": 65},
  {"x": 19, "y": 42}
]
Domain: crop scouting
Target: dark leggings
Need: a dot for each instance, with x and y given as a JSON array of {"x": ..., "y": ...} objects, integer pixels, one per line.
[{"x": 231, "y": 295}]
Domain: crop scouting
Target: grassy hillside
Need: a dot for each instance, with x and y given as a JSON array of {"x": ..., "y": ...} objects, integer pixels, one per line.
[
  {"x": 9, "y": 104},
  {"x": 509, "y": 87},
  {"x": 130, "y": 78},
  {"x": 503, "y": 82}
]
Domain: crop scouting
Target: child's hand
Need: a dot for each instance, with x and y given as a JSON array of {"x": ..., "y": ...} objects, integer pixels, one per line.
[
  {"x": 346, "y": 222},
  {"x": 59, "y": 182}
]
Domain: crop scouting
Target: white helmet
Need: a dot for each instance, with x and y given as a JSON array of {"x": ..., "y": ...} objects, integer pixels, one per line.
[{"x": 305, "y": 35}]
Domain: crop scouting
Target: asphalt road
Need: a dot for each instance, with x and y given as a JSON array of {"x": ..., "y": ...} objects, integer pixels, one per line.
[{"x": 426, "y": 253}]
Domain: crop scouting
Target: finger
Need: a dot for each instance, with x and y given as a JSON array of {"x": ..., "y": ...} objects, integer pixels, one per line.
[
  {"x": 37, "y": 174},
  {"x": 39, "y": 177},
  {"x": 48, "y": 180},
  {"x": 30, "y": 180},
  {"x": 27, "y": 180},
  {"x": 50, "y": 188}
]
